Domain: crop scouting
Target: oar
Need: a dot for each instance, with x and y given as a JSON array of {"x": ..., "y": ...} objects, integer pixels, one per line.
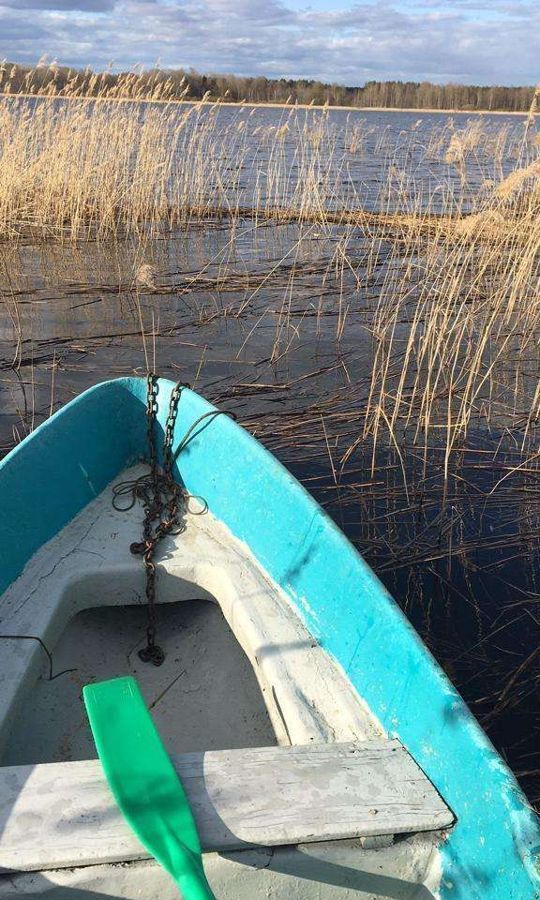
[{"x": 144, "y": 782}]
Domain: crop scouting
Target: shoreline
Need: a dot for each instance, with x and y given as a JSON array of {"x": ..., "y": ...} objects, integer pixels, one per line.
[{"x": 270, "y": 105}]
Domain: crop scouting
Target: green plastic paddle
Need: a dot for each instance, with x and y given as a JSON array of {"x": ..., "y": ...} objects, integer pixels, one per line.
[{"x": 144, "y": 782}]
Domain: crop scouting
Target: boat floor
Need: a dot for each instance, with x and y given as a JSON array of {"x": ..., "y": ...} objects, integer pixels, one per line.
[
  {"x": 204, "y": 697},
  {"x": 257, "y": 678}
]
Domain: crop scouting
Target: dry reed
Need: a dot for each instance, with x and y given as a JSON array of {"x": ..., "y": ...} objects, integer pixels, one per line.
[{"x": 423, "y": 425}]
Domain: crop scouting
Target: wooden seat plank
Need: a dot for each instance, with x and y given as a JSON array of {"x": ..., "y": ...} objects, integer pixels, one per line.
[{"x": 56, "y": 815}]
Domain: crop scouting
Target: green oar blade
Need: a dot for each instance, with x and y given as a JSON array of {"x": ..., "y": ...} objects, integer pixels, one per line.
[{"x": 144, "y": 782}]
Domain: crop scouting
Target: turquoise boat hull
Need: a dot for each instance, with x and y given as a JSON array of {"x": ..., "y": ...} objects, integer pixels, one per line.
[{"x": 493, "y": 851}]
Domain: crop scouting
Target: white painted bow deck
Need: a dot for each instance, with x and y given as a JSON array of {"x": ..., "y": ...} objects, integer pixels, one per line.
[{"x": 329, "y": 797}]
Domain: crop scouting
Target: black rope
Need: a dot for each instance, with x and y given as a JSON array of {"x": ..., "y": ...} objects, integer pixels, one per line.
[{"x": 189, "y": 435}]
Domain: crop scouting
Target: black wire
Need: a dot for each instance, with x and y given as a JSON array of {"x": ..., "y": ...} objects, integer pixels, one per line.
[
  {"x": 34, "y": 637},
  {"x": 190, "y": 435}
]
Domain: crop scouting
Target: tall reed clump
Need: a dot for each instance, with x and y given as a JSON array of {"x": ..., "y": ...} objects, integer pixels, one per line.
[
  {"x": 472, "y": 308},
  {"x": 70, "y": 167},
  {"x": 127, "y": 159},
  {"x": 457, "y": 316}
]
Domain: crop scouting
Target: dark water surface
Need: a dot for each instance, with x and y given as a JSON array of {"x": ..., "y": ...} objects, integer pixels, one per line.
[{"x": 256, "y": 319}]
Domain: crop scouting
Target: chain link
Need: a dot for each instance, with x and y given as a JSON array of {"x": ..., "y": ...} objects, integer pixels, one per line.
[{"x": 162, "y": 498}]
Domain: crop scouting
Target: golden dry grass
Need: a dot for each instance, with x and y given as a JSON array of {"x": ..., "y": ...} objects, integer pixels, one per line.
[
  {"x": 71, "y": 166},
  {"x": 461, "y": 266}
]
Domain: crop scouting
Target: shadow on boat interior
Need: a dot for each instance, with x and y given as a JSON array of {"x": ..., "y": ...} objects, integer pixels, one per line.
[
  {"x": 302, "y": 863},
  {"x": 294, "y": 864},
  {"x": 307, "y": 862}
]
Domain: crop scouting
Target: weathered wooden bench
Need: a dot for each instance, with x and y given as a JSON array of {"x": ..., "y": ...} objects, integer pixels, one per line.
[{"x": 57, "y": 815}]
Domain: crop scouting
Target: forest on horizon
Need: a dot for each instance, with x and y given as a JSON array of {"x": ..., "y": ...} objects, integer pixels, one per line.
[{"x": 180, "y": 84}]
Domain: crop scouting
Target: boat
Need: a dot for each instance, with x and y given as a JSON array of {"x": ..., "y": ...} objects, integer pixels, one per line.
[{"x": 325, "y": 753}]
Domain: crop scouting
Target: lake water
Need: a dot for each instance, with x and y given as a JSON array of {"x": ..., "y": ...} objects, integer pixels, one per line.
[
  {"x": 374, "y": 156},
  {"x": 262, "y": 319}
]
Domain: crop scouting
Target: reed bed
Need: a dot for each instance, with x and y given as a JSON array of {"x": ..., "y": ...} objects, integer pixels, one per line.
[
  {"x": 380, "y": 336},
  {"x": 74, "y": 167}
]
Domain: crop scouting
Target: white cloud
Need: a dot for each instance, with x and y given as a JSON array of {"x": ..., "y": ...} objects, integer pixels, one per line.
[{"x": 439, "y": 40}]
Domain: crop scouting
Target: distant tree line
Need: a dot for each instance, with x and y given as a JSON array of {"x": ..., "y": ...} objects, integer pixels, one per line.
[{"x": 176, "y": 84}]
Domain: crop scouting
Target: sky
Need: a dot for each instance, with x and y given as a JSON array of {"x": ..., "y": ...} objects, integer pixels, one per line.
[{"x": 467, "y": 41}]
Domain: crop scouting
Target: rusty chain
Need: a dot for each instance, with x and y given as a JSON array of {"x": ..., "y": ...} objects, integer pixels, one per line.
[{"x": 162, "y": 499}]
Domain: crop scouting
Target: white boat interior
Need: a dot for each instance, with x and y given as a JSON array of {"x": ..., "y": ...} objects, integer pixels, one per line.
[{"x": 241, "y": 671}]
